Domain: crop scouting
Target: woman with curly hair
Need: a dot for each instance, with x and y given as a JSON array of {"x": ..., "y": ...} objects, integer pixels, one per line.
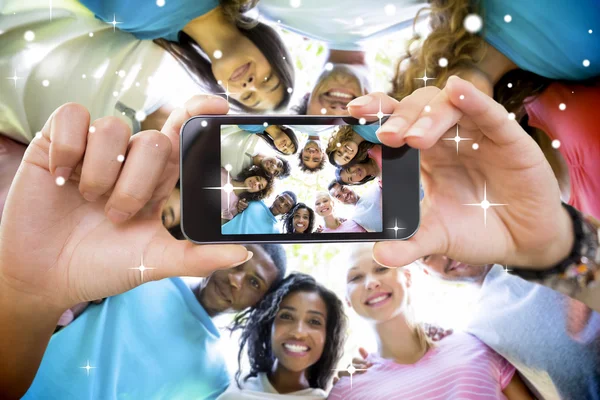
[
  {"x": 294, "y": 339},
  {"x": 350, "y": 144},
  {"x": 300, "y": 220},
  {"x": 253, "y": 183},
  {"x": 527, "y": 56},
  {"x": 221, "y": 48}
]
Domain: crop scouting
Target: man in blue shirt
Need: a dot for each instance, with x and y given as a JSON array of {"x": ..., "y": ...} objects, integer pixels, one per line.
[
  {"x": 256, "y": 218},
  {"x": 157, "y": 340}
]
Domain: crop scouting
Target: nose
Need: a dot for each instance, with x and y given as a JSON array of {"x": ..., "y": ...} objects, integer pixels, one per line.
[
  {"x": 299, "y": 331},
  {"x": 371, "y": 283},
  {"x": 249, "y": 84},
  {"x": 236, "y": 280}
]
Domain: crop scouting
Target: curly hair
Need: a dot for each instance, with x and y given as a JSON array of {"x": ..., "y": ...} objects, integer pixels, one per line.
[
  {"x": 288, "y": 131},
  {"x": 344, "y": 134},
  {"x": 288, "y": 221},
  {"x": 463, "y": 50},
  {"x": 255, "y": 170},
  {"x": 307, "y": 169},
  {"x": 198, "y": 66},
  {"x": 338, "y": 175},
  {"x": 257, "y": 326},
  {"x": 286, "y": 168}
]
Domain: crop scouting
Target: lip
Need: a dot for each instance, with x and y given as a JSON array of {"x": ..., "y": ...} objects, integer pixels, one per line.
[
  {"x": 380, "y": 303},
  {"x": 339, "y": 94},
  {"x": 239, "y": 72},
  {"x": 350, "y": 149},
  {"x": 324, "y": 209},
  {"x": 285, "y": 345},
  {"x": 222, "y": 294},
  {"x": 457, "y": 266}
]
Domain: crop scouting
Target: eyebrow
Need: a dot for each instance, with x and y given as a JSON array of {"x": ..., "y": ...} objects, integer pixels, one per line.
[
  {"x": 260, "y": 277},
  {"x": 309, "y": 311},
  {"x": 274, "y": 87},
  {"x": 172, "y": 214}
]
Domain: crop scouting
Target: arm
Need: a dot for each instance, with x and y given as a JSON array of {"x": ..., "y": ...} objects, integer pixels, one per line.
[{"x": 516, "y": 389}]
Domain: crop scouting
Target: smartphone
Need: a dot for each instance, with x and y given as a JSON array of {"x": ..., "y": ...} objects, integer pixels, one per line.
[{"x": 294, "y": 179}]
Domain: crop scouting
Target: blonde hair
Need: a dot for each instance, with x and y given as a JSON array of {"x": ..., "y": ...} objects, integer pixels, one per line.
[{"x": 448, "y": 39}]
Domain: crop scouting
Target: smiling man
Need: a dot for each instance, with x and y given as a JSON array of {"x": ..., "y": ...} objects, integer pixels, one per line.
[
  {"x": 551, "y": 339},
  {"x": 157, "y": 340},
  {"x": 367, "y": 208},
  {"x": 257, "y": 218},
  {"x": 312, "y": 157}
]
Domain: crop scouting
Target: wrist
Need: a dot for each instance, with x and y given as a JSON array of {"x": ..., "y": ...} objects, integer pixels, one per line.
[{"x": 560, "y": 248}]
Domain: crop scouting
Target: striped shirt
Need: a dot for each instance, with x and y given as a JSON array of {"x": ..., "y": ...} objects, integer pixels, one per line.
[{"x": 458, "y": 367}]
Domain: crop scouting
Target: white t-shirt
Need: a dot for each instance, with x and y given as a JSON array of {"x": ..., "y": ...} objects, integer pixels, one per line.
[
  {"x": 238, "y": 147},
  {"x": 259, "y": 388},
  {"x": 367, "y": 211},
  {"x": 73, "y": 57},
  {"x": 342, "y": 24}
]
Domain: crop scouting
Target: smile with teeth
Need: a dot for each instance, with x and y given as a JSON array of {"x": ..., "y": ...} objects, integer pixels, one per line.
[
  {"x": 295, "y": 348},
  {"x": 340, "y": 95},
  {"x": 350, "y": 150},
  {"x": 300, "y": 225},
  {"x": 379, "y": 299}
]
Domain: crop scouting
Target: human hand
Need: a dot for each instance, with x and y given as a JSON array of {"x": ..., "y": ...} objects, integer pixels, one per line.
[
  {"x": 242, "y": 205},
  {"x": 360, "y": 364},
  {"x": 57, "y": 246},
  {"x": 532, "y": 229},
  {"x": 436, "y": 333}
]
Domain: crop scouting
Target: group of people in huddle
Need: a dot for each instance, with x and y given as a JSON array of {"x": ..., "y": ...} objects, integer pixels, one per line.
[
  {"x": 91, "y": 300},
  {"x": 254, "y": 158}
]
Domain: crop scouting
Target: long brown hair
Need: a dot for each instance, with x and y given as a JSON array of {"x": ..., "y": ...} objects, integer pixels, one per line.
[{"x": 197, "y": 64}]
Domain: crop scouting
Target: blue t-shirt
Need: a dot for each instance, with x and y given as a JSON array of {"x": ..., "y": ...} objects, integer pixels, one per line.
[
  {"x": 549, "y": 37},
  {"x": 145, "y": 20},
  {"x": 252, "y": 128},
  {"x": 257, "y": 218},
  {"x": 153, "y": 342},
  {"x": 367, "y": 132}
]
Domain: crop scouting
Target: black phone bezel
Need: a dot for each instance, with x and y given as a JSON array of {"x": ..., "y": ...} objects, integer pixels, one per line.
[{"x": 201, "y": 208}]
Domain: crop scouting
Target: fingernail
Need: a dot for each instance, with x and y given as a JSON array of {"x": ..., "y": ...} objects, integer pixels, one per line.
[
  {"x": 250, "y": 255},
  {"x": 117, "y": 216},
  {"x": 90, "y": 196},
  {"x": 63, "y": 172},
  {"x": 420, "y": 127},
  {"x": 360, "y": 101}
]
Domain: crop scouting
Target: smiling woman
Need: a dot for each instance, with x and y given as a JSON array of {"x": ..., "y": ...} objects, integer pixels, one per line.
[
  {"x": 224, "y": 50},
  {"x": 295, "y": 338}
]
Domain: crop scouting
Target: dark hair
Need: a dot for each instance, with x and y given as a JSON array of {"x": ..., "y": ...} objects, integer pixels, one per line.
[
  {"x": 288, "y": 221},
  {"x": 302, "y": 107},
  {"x": 257, "y": 328},
  {"x": 286, "y": 168},
  {"x": 197, "y": 64},
  {"x": 279, "y": 257},
  {"x": 525, "y": 87},
  {"x": 338, "y": 176},
  {"x": 291, "y": 194},
  {"x": 288, "y": 131},
  {"x": 309, "y": 170},
  {"x": 332, "y": 184},
  {"x": 255, "y": 170}
]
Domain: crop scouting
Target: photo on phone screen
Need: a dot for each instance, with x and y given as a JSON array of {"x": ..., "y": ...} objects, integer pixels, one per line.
[{"x": 295, "y": 179}]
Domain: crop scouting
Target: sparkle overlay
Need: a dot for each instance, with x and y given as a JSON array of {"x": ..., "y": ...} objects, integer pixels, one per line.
[
  {"x": 379, "y": 114},
  {"x": 507, "y": 270},
  {"x": 396, "y": 228},
  {"x": 425, "y": 78},
  {"x": 114, "y": 23},
  {"x": 14, "y": 78},
  {"x": 87, "y": 368},
  {"x": 60, "y": 181},
  {"x": 458, "y": 139},
  {"x": 228, "y": 187},
  {"x": 485, "y": 204},
  {"x": 227, "y": 92},
  {"x": 351, "y": 370},
  {"x": 142, "y": 268}
]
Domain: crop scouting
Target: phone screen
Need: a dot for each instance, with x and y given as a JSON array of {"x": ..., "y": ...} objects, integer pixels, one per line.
[{"x": 295, "y": 179}]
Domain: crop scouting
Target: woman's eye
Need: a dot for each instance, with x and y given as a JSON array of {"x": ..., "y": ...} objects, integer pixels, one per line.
[
  {"x": 315, "y": 322},
  {"x": 382, "y": 269},
  {"x": 354, "y": 278},
  {"x": 285, "y": 316}
]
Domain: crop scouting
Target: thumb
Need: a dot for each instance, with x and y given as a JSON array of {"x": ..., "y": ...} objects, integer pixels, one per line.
[
  {"x": 430, "y": 239},
  {"x": 166, "y": 257},
  {"x": 363, "y": 353}
]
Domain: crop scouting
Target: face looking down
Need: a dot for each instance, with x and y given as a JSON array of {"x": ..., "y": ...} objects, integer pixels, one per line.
[
  {"x": 323, "y": 205},
  {"x": 335, "y": 89},
  {"x": 273, "y": 165},
  {"x": 312, "y": 155},
  {"x": 301, "y": 220},
  {"x": 283, "y": 204},
  {"x": 344, "y": 194}
]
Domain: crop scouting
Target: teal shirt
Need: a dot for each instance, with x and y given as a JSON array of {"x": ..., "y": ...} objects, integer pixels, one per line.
[
  {"x": 257, "y": 218},
  {"x": 547, "y": 37},
  {"x": 153, "y": 342},
  {"x": 145, "y": 20},
  {"x": 368, "y": 132}
]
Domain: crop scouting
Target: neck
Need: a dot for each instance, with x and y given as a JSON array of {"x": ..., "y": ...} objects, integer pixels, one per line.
[
  {"x": 356, "y": 138},
  {"x": 347, "y": 57},
  {"x": 286, "y": 381},
  {"x": 272, "y": 209},
  {"x": 372, "y": 168},
  {"x": 495, "y": 64},
  {"x": 357, "y": 199},
  {"x": 222, "y": 32},
  {"x": 397, "y": 340},
  {"x": 331, "y": 221},
  {"x": 257, "y": 159},
  {"x": 237, "y": 185}
]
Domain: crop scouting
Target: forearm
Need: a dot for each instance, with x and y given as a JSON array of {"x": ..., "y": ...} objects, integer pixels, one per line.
[{"x": 26, "y": 325}]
